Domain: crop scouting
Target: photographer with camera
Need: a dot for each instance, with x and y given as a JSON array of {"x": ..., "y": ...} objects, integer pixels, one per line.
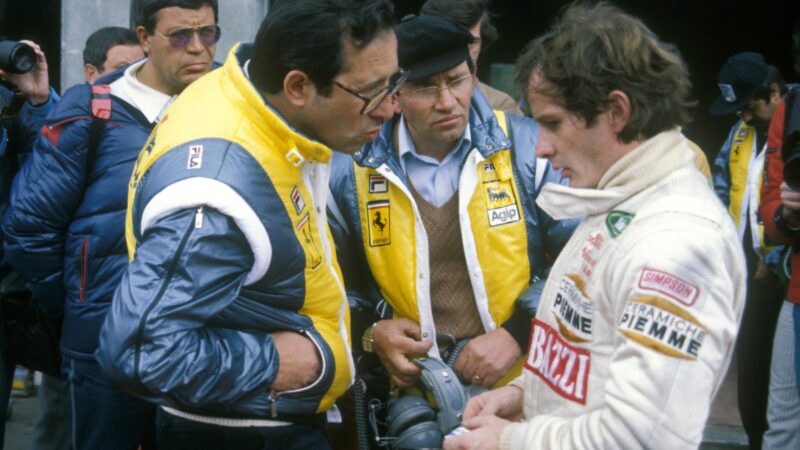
[
  {"x": 780, "y": 211},
  {"x": 25, "y": 100}
]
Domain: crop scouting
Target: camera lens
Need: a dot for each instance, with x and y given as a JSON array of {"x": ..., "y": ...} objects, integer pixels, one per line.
[{"x": 16, "y": 57}]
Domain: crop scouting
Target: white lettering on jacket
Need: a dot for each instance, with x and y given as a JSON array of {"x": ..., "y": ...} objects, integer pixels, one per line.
[{"x": 563, "y": 367}]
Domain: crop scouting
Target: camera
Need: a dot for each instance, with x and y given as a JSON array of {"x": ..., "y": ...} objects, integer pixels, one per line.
[{"x": 16, "y": 57}]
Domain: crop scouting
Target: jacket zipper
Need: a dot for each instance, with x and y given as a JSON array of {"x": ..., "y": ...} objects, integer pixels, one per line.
[
  {"x": 84, "y": 268},
  {"x": 167, "y": 278},
  {"x": 275, "y": 394}
]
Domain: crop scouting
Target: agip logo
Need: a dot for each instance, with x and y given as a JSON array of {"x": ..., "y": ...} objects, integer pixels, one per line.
[{"x": 501, "y": 205}]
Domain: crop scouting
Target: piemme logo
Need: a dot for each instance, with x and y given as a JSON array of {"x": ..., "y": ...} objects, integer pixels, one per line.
[
  {"x": 573, "y": 310},
  {"x": 563, "y": 367},
  {"x": 663, "y": 326},
  {"x": 669, "y": 285}
]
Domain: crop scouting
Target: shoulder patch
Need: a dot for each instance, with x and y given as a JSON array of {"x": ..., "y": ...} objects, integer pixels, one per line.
[
  {"x": 617, "y": 221},
  {"x": 670, "y": 285},
  {"x": 662, "y": 326}
]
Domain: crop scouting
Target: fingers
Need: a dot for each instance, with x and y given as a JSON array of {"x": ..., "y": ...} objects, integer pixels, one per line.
[{"x": 396, "y": 342}]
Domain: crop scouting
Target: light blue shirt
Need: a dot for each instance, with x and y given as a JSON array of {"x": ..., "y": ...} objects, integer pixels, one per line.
[{"x": 435, "y": 181}]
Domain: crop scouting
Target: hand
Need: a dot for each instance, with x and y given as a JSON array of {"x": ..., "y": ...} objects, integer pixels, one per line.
[
  {"x": 791, "y": 205},
  {"x": 395, "y": 342},
  {"x": 34, "y": 84},
  {"x": 299, "y": 364},
  {"x": 505, "y": 402},
  {"x": 763, "y": 275},
  {"x": 487, "y": 358},
  {"x": 484, "y": 434}
]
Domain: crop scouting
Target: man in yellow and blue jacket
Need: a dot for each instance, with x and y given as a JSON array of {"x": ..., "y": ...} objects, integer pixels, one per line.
[
  {"x": 437, "y": 217},
  {"x": 232, "y": 315},
  {"x": 751, "y": 89}
]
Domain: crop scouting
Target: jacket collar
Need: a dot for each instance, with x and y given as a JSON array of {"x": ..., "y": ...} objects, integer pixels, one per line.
[
  {"x": 486, "y": 136},
  {"x": 241, "y": 92}
]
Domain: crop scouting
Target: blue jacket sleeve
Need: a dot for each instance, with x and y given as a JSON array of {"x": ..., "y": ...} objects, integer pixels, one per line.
[
  {"x": 165, "y": 338},
  {"x": 44, "y": 196},
  {"x": 29, "y": 121},
  {"x": 721, "y": 172}
]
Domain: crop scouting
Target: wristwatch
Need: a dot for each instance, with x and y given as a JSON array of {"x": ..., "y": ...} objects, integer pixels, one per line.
[{"x": 367, "y": 338}]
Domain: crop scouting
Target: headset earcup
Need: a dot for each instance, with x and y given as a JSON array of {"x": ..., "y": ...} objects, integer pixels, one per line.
[
  {"x": 404, "y": 412},
  {"x": 423, "y": 435}
]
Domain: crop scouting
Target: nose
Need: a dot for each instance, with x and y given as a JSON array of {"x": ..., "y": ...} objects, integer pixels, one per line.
[
  {"x": 544, "y": 148},
  {"x": 445, "y": 99},
  {"x": 385, "y": 109},
  {"x": 195, "y": 45}
]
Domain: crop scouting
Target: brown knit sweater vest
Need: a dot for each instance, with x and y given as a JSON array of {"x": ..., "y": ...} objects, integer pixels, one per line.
[{"x": 453, "y": 302}]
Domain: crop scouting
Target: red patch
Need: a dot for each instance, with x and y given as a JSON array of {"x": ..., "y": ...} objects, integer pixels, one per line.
[
  {"x": 665, "y": 283},
  {"x": 563, "y": 367}
]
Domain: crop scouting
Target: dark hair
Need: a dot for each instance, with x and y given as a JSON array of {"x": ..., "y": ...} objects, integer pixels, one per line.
[
  {"x": 148, "y": 12},
  {"x": 308, "y": 35},
  {"x": 466, "y": 13},
  {"x": 594, "y": 49},
  {"x": 99, "y": 42},
  {"x": 773, "y": 76}
]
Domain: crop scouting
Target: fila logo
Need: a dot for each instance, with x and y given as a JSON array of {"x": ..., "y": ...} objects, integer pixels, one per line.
[
  {"x": 563, "y": 367},
  {"x": 488, "y": 168},
  {"x": 297, "y": 201},
  {"x": 195, "y": 160},
  {"x": 378, "y": 184}
]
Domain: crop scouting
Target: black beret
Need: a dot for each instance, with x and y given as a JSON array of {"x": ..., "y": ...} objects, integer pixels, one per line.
[{"x": 428, "y": 45}]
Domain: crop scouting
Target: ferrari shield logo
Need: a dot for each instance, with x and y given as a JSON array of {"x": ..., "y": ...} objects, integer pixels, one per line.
[{"x": 379, "y": 229}]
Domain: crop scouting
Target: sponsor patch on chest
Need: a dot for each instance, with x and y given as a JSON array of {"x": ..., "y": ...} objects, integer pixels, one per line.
[
  {"x": 573, "y": 310},
  {"x": 617, "y": 222},
  {"x": 297, "y": 200},
  {"x": 378, "y": 184},
  {"x": 564, "y": 367},
  {"x": 667, "y": 284},
  {"x": 501, "y": 204},
  {"x": 309, "y": 243},
  {"x": 195, "y": 159},
  {"x": 379, "y": 215},
  {"x": 662, "y": 326}
]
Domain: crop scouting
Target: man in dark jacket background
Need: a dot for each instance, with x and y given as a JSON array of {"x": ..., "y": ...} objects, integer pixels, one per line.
[{"x": 65, "y": 228}]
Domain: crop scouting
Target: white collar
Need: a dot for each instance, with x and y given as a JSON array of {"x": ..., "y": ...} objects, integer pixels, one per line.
[
  {"x": 406, "y": 143},
  {"x": 151, "y": 102}
]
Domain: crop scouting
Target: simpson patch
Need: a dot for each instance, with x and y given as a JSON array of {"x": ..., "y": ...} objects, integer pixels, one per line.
[
  {"x": 668, "y": 284},
  {"x": 662, "y": 326}
]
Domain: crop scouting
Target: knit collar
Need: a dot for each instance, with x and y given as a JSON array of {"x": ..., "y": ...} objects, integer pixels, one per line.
[{"x": 644, "y": 166}]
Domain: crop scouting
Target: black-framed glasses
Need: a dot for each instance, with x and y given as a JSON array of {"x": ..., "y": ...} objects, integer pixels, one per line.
[
  {"x": 181, "y": 38},
  {"x": 371, "y": 101}
]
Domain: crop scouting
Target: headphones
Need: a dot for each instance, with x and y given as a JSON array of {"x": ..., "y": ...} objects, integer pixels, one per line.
[{"x": 413, "y": 423}]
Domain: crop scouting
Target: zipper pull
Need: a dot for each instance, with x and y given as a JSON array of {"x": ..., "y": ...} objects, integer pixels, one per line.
[
  {"x": 198, "y": 218},
  {"x": 274, "y": 406}
]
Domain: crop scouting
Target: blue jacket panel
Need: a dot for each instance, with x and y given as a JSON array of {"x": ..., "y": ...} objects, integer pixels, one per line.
[{"x": 65, "y": 230}]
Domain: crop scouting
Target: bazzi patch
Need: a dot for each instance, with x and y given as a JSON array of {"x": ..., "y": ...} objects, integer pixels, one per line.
[{"x": 617, "y": 221}]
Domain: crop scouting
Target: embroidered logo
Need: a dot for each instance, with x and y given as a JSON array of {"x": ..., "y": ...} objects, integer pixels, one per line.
[
  {"x": 500, "y": 203},
  {"x": 573, "y": 310},
  {"x": 727, "y": 92},
  {"x": 617, "y": 221},
  {"x": 378, "y": 215},
  {"x": 488, "y": 168},
  {"x": 667, "y": 284},
  {"x": 378, "y": 184},
  {"x": 297, "y": 201},
  {"x": 662, "y": 326},
  {"x": 195, "y": 160},
  {"x": 565, "y": 368},
  {"x": 313, "y": 254}
]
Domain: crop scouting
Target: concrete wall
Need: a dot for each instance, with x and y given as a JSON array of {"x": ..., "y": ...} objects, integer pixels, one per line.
[{"x": 239, "y": 20}]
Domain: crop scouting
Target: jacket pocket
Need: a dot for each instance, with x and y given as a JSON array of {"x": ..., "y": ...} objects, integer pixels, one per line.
[{"x": 84, "y": 268}]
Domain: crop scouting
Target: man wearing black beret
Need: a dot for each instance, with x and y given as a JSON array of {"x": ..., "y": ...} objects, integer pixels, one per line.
[{"x": 437, "y": 218}]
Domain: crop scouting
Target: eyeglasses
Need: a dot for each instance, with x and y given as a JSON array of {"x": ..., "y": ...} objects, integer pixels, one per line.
[
  {"x": 371, "y": 101},
  {"x": 182, "y": 37},
  {"x": 431, "y": 93}
]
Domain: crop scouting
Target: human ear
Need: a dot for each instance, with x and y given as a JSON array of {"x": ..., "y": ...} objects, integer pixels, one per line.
[
  {"x": 298, "y": 88},
  {"x": 144, "y": 39},
  {"x": 90, "y": 73},
  {"x": 619, "y": 110}
]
